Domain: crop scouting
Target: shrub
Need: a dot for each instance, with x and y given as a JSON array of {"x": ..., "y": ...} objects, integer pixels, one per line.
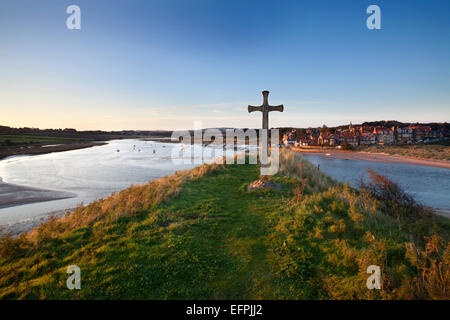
[
  {"x": 314, "y": 180},
  {"x": 346, "y": 146},
  {"x": 394, "y": 201},
  {"x": 433, "y": 267}
]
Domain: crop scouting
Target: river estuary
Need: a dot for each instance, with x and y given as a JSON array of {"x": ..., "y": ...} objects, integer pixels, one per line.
[{"x": 93, "y": 173}]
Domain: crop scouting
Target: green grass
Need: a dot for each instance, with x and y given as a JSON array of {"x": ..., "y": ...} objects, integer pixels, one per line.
[
  {"x": 26, "y": 139},
  {"x": 201, "y": 235}
]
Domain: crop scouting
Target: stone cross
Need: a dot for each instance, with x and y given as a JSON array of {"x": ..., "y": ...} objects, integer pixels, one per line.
[{"x": 265, "y": 108}]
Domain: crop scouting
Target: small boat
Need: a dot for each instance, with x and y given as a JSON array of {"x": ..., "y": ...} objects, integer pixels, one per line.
[{"x": 328, "y": 154}]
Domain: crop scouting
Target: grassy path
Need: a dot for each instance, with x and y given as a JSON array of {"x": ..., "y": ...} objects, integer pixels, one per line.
[
  {"x": 234, "y": 232},
  {"x": 208, "y": 242},
  {"x": 215, "y": 240}
]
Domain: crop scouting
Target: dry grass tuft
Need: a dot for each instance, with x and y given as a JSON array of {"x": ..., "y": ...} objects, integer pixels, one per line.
[{"x": 315, "y": 180}]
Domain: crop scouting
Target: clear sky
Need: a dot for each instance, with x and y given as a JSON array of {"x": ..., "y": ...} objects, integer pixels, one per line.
[{"x": 164, "y": 64}]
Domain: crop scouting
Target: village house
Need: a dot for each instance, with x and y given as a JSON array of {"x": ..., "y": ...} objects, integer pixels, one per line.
[
  {"x": 326, "y": 138},
  {"x": 367, "y": 135},
  {"x": 403, "y": 134},
  {"x": 368, "y": 138},
  {"x": 308, "y": 142},
  {"x": 437, "y": 133},
  {"x": 366, "y": 129},
  {"x": 384, "y": 135},
  {"x": 421, "y": 133},
  {"x": 352, "y": 138},
  {"x": 289, "y": 138}
]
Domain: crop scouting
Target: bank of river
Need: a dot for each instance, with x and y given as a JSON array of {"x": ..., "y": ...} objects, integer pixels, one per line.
[
  {"x": 430, "y": 185},
  {"x": 35, "y": 187},
  {"x": 42, "y": 148},
  {"x": 376, "y": 157}
]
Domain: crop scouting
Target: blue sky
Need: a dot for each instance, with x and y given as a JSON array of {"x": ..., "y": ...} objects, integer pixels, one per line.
[{"x": 165, "y": 64}]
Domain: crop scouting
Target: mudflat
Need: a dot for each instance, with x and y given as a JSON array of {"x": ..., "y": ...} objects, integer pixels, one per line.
[
  {"x": 14, "y": 195},
  {"x": 43, "y": 148}
]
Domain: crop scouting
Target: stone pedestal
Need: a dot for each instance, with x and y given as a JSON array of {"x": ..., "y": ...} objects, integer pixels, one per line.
[{"x": 263, "y": 183}]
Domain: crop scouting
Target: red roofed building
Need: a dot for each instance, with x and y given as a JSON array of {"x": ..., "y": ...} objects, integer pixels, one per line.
[
  {"x": 384, "y": 135},
  {"x": 368, "y": 138},
  {"x": 349, "y": 137}
]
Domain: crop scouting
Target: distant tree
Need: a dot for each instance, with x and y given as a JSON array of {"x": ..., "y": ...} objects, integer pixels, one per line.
[{"x": 324, "y": 129}]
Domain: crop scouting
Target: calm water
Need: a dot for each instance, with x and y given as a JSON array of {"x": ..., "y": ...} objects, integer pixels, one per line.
[
  {"x": 429, "y": 185},
  {"x": 93, "y": 173}
]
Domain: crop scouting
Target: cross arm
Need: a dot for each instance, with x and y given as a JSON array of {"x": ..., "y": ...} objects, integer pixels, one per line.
[
  {"x": 253, "y": 108},
  {"x": 276, "y": 108}
]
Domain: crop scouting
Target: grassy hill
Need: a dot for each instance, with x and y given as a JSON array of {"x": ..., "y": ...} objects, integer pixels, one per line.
[{"x": 200, "y": 235}]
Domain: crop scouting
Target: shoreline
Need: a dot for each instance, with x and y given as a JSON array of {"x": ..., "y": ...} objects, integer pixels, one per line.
[
  {"x": 44, "y": 148},
  {"x": 28, "y": 224},
  {"x": 442, "y": 212},
  {"x": 375, "y": 157},
  {"x": 16, "y": 195},
  {"x": 12, "y": 195}
]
